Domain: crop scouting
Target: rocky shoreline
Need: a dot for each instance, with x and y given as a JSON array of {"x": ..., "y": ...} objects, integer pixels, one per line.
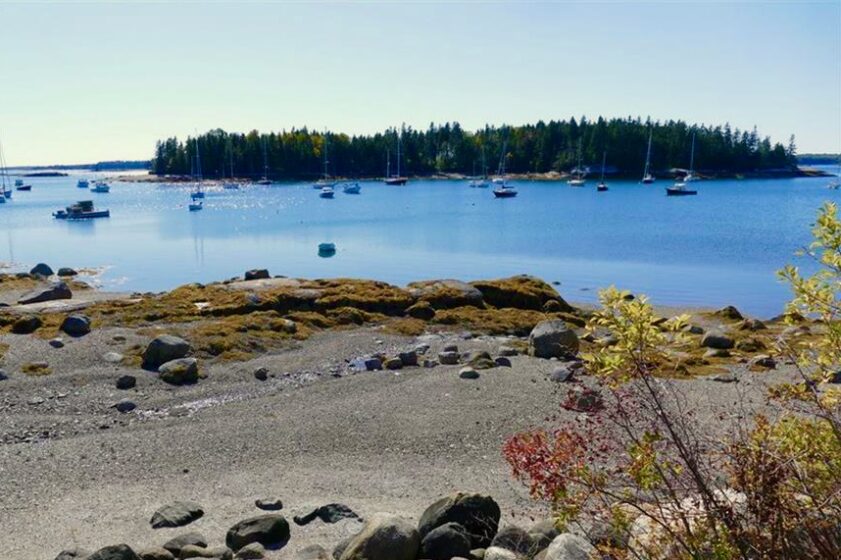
[{"x": 152, "y": 418}]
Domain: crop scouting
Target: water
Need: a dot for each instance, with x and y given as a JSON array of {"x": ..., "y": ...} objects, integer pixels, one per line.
[{"x": 720, "y": 247}]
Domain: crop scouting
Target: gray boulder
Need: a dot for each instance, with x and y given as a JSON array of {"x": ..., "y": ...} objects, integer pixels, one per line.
[
  {"x": 41, "y": 269},
  {"x": 125, "y": 405},
  {"x": 76, "y": 325},
  {"x": 175, "y": 544},
  {"x": 446, "y": 294},
  {"x": 176, "y": 514},
  {"x": 66, "y": 271},
  {"x": 26, "y": 324},
  {"x": 253, "y": 551},
  {"x": 56, "y": 291},
  {"x": 216, "y": 553},
  {"x": 552, "y": 339},
  {"x": 313, "y": 552},
  {"x": 384, "y": 537},
  {"x": 271, "y": 530},
  {"x": 570, "y": 547},
  {"x": 180, "y": 372},
  {"x": 449, "y": 357},
  {"x": 445, "y": 542},
  {"x": 114, "y": 552},
  {"x": 468, "y": 373},
  {"x": 718, "y": 340},
  {"x": 163, "y": 349},
  {"x": 515, "y": 539},
  {"x": 478, "y": 514},
  {"x": 155, "y": 553}
]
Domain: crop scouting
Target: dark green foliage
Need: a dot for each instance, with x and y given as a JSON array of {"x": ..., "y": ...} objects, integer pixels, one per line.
[{"x": 537, "y": 148}]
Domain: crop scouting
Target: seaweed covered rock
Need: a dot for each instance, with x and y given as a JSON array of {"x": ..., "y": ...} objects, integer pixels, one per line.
[
  {"x": 182, "y": 371},
  {"x": 56, "y": 291},
  {"x": 478, "y": 514},
  {"x": 446, "y": 294},
  {"x": 522, "y": 292},
  {"x": 729, "y": 312},
  {"x": 27, "y": 324}
]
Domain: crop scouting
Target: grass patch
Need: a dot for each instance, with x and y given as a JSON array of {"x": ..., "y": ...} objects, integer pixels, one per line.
[
  {"x": 517, "y": 322},
  {"x": 36, "y": 369},
  {"x": 521, "y": 292}
]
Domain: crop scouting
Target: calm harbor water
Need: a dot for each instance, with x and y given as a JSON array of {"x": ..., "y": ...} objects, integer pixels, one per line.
[{"x": 720, "y": 247}]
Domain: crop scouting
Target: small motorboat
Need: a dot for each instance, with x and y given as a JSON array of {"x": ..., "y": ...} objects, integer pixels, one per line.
[
  {"x": 230, "y": 186},
  {"x": 82, "y": 183},
  {"x": 396, "y": 181},
  {"x": 351, "y": 188},
  {"x": 680, "y": 189},
  {"x": 648, "y": 179},
  {"x": 504, "y": 190},
  {"x": 326, "y": 249},
  {"x": 577, "y": 182},
  {"x": 479, "y": 184},
  {"x": 327, "y": 192},
  {"x": 197, "y": 195},
  {"x": 23, "y": 187},
  {"x": 101, "y": 187},
  {"x": 601, "y": 187},
  {"x": 196, "y": 206},
  {"x": 82, "y": 210}
]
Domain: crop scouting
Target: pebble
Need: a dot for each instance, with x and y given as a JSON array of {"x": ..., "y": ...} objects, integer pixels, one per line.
[
  {"x": 261, "y": 374},
  {"x": 269, "y": 504},
  {"x": 502, "y": 361},
  {"x": 57, "y": 343},
  {"x": 113, "y": 357},
  {"x": 468, "y": 373},
  {"x": 125, "y": 405},
  {"x": 125, "y": 382}
]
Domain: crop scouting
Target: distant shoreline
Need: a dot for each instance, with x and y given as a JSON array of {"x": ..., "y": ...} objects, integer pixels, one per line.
[{"x": 548, "y": 176}]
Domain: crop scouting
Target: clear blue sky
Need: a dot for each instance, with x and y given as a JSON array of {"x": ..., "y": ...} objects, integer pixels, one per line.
[{"x": 84, "y": 82}]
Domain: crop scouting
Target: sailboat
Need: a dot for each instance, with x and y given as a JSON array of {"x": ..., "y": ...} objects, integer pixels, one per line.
[
  {"x": 395, "y": 179},
  {"x": 265, "y": 180},
  {"x": 647, "y": 177},
  {"x": 325, "y": 176},
  {"x": 230, "y": 185},
  {"x": 502, "y": 189},
  {"x": 4, "y": 177},
  {"x": 483, "y": 182},
  {"x": 198, "y": 192},
  {"x": 578, "y": 172},
  {"x": 680, "y": 187},
  {"x": 602, "y": 186}
]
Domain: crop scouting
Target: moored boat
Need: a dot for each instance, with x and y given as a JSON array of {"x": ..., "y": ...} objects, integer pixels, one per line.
[
  {"x": 195, "y": 206},
  {"x": 501, "y": 187},
  {"x": 578, "y": 173},
  {"x": 395, "y": 179},
  {"x": 82, "y": 210},
  {"x": 681, "y": 188},
  {"x": 24, "y": 188},
  {"x": 351, "y": 188},
  {"x": 82, "y": 183},
  {"x": 601, "y": 186},
  {"x": 18, "y": 182},
  {"x": 327, "y": 192},
  {"x": 647, "y": 177},
  {"x": 101, "y": 187},
  {"x": 326, "y": 249}
]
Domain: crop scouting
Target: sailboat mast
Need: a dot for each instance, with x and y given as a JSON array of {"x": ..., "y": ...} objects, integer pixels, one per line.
[
  {"x": 648, "y": 156},
  {"x": 325, "y": 156},
  {"x": 604, "y": 161},
  {"x": 265, "y": 160},
  {"x": 399, "y": 140},
  {"x": 387, "y": 163},
  {"x": 692, "y": 156},
  {"x": 198, "y": 162}
]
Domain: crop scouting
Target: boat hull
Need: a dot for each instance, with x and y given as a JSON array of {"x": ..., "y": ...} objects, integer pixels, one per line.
[
  {"x": 24, "y": 188},
  {"x": 576, "y": 183},
  {"x": 505, "y": 193},
  {"x": 62, "y": 215},
  {"x": 670, "y": 191},
  {"x": 396, "y": 181}
]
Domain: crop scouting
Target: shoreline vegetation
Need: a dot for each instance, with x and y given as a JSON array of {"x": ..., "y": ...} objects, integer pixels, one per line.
[{"x": 536, "y": 150}]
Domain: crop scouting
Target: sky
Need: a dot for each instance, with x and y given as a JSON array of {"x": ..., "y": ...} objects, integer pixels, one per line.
[{"x": 85, "y": 82}]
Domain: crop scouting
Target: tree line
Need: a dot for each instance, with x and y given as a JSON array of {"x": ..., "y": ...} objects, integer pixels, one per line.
[{"x": 534, "y": 148}]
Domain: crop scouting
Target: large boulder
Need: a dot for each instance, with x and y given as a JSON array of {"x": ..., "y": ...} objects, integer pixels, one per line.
[
  {"x": 56, "y": 291},
  {"x": 446, "y": 294},
  {"x": 384, "y": 537},
  {"x": 718, "y": 340},
  {"x": 552, "y": 339},
  {"x": 176, "y": 514},
  {"x": 271, "y": 530},
  {"x": 515, "y": 539},
  {"x": 73, "y": 554},
  {"x": 478, "y": 514},
  {"x": 180, "y": 372},
  {"x": 114, "y": 552},
  {"x": 164, "y": 349},
  {"x": 66, "y": 271},
  {"x": 41, "y": 269},
  {"x": 522, "y": 292},
  {"x": 447, "y": 541},
  {"x": 76, "y": 325},
  {"x": 155, "y": 553},
  {"x": 26, "y": 324},
  {"x": 570, "y": 547},
  {"x": 257, "y": 274}
]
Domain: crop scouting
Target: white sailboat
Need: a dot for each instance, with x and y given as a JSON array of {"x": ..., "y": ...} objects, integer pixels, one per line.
[
  {"x": 647, "y": 177},
  {"x": 578, "y": 172},
  {"x": 680, "y": 188},
  {"x": 483, "y": 182},
  {"x": 230, "y": 185},
  {"x": 395, "y": 179},
  {"x": 198, "y": 191},
  {"x": 325, "y": 180},
  {"x": 602, "y": 186},
  {"x": 5, "y": 182},
  {"x": 265, "y": 180}
]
